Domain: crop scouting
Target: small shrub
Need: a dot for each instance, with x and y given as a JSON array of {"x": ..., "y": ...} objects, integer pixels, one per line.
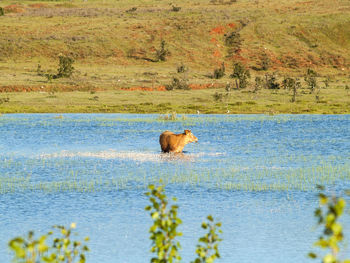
[
  {"x": 218, "y": 96},
  {"x": 65, "y": 67},
  {"x": 39, "y": 71},
  {"x": 259, "y": 83},
  {"x": 170, "y": 117},
  {"x": 62, "y": 249},
  {"x": 49, "y": 76},
  {"x": 271, "y": 81},
  {"x": 182, "y": 68},
  {"x": 326, "y": 81},
  {"x": 292, "y": 84},
  {"x": 4, "y": 100},
  {"x": 162, "y": 53},
  {"x": 95, "y": 98},
  {"x": 241, "y": 75},
  {"x": 219, "y": 72},
  {"x": 176, "y": 8},
  {"x": 265, "y": 62},
  {"x": 131, "y": 10},
  {"x": 177, "y": 84},
  {"x": 310, "y": 79},
  {"x": 2, "y": 12},
  {"x": 233, "y": 42}
]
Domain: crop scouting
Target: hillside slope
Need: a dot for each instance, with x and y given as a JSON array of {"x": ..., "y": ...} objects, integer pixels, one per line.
[{"x": 115, "y": 42}]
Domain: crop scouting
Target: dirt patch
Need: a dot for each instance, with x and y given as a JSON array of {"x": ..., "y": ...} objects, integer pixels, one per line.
[
  {"x": 38, "y": 5},
  {"x": 14, "y": 8}
]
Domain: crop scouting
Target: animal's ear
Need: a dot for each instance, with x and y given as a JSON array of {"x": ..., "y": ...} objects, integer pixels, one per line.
[{"x": 187, "y": 131}]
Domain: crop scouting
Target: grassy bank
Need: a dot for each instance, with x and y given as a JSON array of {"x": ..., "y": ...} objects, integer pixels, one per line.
[{"x": 331, "y": 101}]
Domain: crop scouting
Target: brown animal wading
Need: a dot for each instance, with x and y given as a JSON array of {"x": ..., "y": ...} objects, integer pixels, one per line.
[{"x": 171, "y": 142}]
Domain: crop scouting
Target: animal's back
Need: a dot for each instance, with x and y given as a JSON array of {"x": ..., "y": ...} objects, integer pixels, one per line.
[{"x": 165, "y": 140}]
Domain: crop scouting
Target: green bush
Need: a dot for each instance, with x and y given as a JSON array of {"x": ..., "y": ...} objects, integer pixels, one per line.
[
  {"x": 208, "y": 245},
  {"x": 218, "y": 96},
  {"x": 233, "y": 42},
  {"x": 61, "y": 249},
  {"x": 258, "y": 84},
  {"x": 176, "y": 8},
  {"x": 162, "y": 53},
  {"x": 271, "y": 81},
  {"x": 241, "y": 75},
  {"x": 292, "y": 84},
  {"x": 328, "y": 214},
  {"x": 310, "y": 79},
  {"x": 163, "y": 232},
  {"x": 177, "y": 84},
  {"x": 65, "y": 67},
  {"x": 219, "y": 72},
  {"x": 2, "y": 12},
  {"x": 182, "y": 68}
]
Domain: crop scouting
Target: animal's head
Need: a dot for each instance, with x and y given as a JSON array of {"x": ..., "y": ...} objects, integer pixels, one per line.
[{"x": 190, "y": 137}]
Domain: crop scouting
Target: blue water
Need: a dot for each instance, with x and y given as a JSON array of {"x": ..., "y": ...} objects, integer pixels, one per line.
[{"x": 254, "y": 173}]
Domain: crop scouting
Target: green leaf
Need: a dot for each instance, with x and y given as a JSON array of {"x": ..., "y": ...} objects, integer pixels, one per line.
[{"x": 312, "y": 255}]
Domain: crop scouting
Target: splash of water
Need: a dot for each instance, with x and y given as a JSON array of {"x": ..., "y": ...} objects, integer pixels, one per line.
[{"x": 134, "y": 156}]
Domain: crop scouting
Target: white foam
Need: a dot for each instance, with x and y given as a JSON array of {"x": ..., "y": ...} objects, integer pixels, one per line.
[{"x": 135, "y": 156}]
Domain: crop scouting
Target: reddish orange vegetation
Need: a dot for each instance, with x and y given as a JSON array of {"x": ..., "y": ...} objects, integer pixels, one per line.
[
  {"x": 217, "y": 53},
  {"x": 218, "y": 30},
  {"x": 14, "y": 8},
  {"x": 58, "y": 88},
  {"x": 38, "y": 5}
]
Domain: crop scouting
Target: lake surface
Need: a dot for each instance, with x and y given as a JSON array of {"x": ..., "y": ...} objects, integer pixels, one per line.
[{"x": 254, "y": 173}]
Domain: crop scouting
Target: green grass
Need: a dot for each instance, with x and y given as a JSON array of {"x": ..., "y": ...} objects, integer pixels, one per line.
[{"x": 332, "y": 101}]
